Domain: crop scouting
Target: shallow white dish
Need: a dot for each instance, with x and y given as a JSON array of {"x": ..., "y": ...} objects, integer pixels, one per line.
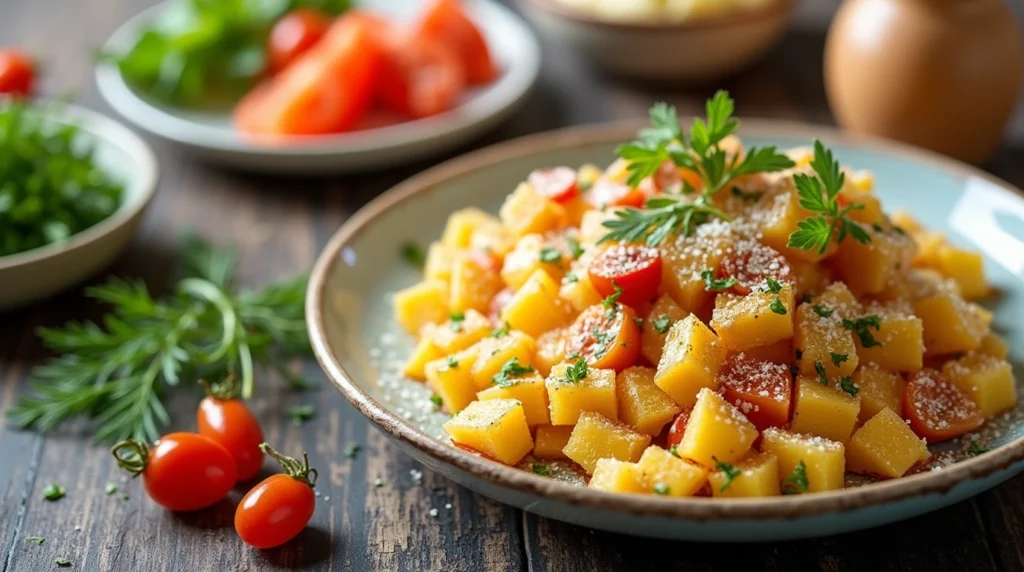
[{"x": 212, "y": 137}]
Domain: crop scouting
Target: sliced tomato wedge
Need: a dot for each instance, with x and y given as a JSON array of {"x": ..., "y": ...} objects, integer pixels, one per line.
[
  {"x": 678, "y": 427},
  {"x": 606, "y": 338},
  {"x": 605, "y": 193},
  {"x": 446, "y": 21},
  {"x": 295, "y": 33},
  {"x": 634, "y": 269},
  {"x": 761, "y": 390},
  {"x": 751, "y": 262},
  {"x": 937, "y": 409},
  {"x": 557, "y": 184}
]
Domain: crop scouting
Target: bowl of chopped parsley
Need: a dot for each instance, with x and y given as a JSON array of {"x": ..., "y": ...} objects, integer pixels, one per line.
[{"x": 73, "y": 187}]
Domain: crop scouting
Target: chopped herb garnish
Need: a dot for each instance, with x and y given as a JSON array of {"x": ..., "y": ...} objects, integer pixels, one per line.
[
  {"x": 53, "y": 492},
  {"x": 730, "y": 470},
  {"x": 661, "y": 489},
  {"x": 110, "y": 489},
  {"x": 509, "y": 371},
  {"x": 976, "y": 449},
  {"x": 541, "y": 469},
  {"x": 573, "y": 355},
  {"x": 774, "y": 287},
  {"x": 751, "y": 196},
  {"x": 862, "y": 327},
  {"x": 712, "y": 284},
  {"x": 778, "y": 307},
  {"x": 502, "y": 331},
  {"x": 823, "y": 311},
  {"x": 575, "y": 250},
  {"x": 662, "y": 323},
  {"x": 63, "y": 562},
  {"x": 674, "y": 450},
  {"x": 452, "y": 362},
  {"x": 838, "y": 358},
  {"x": 612, "y": 301},
  {"x": 378, "y": 482},
  {"x": 571, "y": 278},
  {"x": 299, "y": 414},
  {"x": 796, "y": 482},
  {"x": 436, "y": 400},
  {"x": 351, "y": 449},
  {"x": 550, "y": 255},
  {"x": 820, "y": 368},
  {"x": 847, "y": 385},
  {"x": 577, "y": 372},
  {"x": 36, "y": 539},
  {"x": 457, "y": 320},
  {"x": 413, "y": 254}
]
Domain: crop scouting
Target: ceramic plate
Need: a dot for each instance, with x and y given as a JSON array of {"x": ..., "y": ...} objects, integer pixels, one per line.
[
  {"x": 212, "y": 137},
  {"x": 40, "y": 272},
  {"x": 360, "y": 346}
]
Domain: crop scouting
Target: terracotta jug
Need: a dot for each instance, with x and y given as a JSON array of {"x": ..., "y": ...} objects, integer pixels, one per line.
[{"x": 941, "y": 74}]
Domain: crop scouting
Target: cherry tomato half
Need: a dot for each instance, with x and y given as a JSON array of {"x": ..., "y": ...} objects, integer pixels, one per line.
[
  {"x": 17, "y": 72},
  {"x": 229, "y": 422},
  {"x": 634, "y": 269},
  {"x": 293, "y": 34},
  {"x": 607, "y": 338},
  {"x": 181, "y": 471},
  {"x": 760, "y": 390},
  {"x": 678, "y": 427},
  {"x": 446, "y": 21},
  {"x": 276, "y": 510},
  {"x": 750, "y": 263},
  {"x": 558, "y": 184},
  {"x": 605, "y": 193},
  {"x": 937, "y": 409}
]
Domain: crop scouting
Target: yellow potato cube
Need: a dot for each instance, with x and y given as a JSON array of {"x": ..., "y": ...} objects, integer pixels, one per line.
[
  {"x": 617, "y": 476},
  {"x": 899, "y": 338},
  {"x": 780, "y": 352},
  {"x": 885, "y": 446},
  {"x": 966, "y": 267},
  {"x": 587, "y": 174},
  {"x": 596, "y": 437},
  {"x": 425, "y": 351},
  {"x": 536, "y": 308},
  {"x": 867, "y": 268},
  {"x": 492, "y": 238},
  {"x": 440, "y": 259},
  {"x": 668, "y": 475},
  {"x": 870, "y": 212},
  {"x": 757, "y": 476},
  {"x": 784, "y": 214},
  {"x": 686, "y": 257},
  {"x": 569, "y": 399},
  {"x": 950, "y": 324},
  {"x": 715, "y": 429},
  {"x": 906, "y": 221},
  {"x": 550, "y": 350},
  {"x": 450, "y": 378},
  {"x": 550, "y": 440},
  {"x": 824, "y": 461},
  {"x": 528, "y": 390},
  {"x": 757, "y": 319},
  {"x": 690, "y": 361},
  {"x": 641, "y": 404},
  {"x": 496, "y": 428},
  {"x": 462, "y": 330},
  {"x": 494, "y": 353},
  {"x": 994, "y": 346},
  {"x": 987, "y": 380},
  {"x": 836, "y": 296},
  {"x": 821, "y": 340},
  {"x": 472, "y": 286},
  {"x": 663, "y": 314},
  {"x": 527, "y": 212},
  {"x": 578, "y": 290},
  {"x": 461, "y": 225},
  {"x": 810, "y": 278},
  {"x": 525, "y": 259},
  {"x": 878, "y": 389},
  {"x": 592, "y": 227},
  {"x": 575, "y": 208},
  {"x": 823, "y": 410},
  {"x": 929, "y": 243},
  {"x": 421, "y": 304}
]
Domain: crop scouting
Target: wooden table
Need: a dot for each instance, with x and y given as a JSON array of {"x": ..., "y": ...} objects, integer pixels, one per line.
[{"x": 408, "y": 523}]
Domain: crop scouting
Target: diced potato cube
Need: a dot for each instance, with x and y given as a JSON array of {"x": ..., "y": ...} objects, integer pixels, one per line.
[
  {"x": 462, "y": 223},
  {"x": 425, "y": 351},
  {"x": 818, "y": 336},
  {"x": 421, "y": 304},
  {"x": 950, "y": 324},
  {"x": 452, "y": 379},
  {"x": 906, "y": 221},
  {"x": 525, "y": 259},
  {"x": 753, "y": 320},
  {"x": 780, "y": 352},
  {"x": 492, "y": 238},
  {"x": 592, "y": 227},
  {"x": 685, "y": 258},
  {"x": 758, "y": 477},
  {"x": 578, "y": 290},
  {"x": 528, "y": 390},
  {"x": 823, "y": 410},
  {"x": 596, "y": 437},
  {"x": 594, "y": 393},
  {"x": 536, "y": 308},
  {"x": 527, "y": 212},
  {"x": 440, "y": 259},
  {"x": 459, "y": 332},
  {"x": 551, "y": 350},
  {"x": 715, "y": 429},
  {"x": 824, "y": 460},
  {"x": 994, "y": 346},
  {"x": 494, "y": 353},
  {"x": 550, "y": 440},
  {"x": 810, "y": 278},
  {"x": 877, "y": 390},
  {"x": 885, "y": 446},
  {"x": 867, "y": 268},
  {"x": 663, "y": 314},
  {"x": 587, "y": 174},
  {"x": 784, "y": 215},
  {"x": 668, "y": 475},
  {"x": 928, "y": 245},
  {"x": 900, "y": 338},
  {"x": 837, "y": 297},
  {"x": 870, "y": 212},
  {"x": 691, "y": 359},
  {"x": 966, "y": 267},
  {"x": 497, "y": 428},
  {"x": 472, "y": 286},
  {"x": 641, "y": 404},
  {"x": 987, "y": 380},
  {"x": 617, "y": 476}
]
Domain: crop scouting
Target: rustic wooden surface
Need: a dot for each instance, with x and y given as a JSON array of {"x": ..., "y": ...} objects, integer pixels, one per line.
[{"x": 406, "y": 524}]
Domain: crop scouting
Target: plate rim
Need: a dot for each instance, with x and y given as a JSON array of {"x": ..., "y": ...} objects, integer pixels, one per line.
[{"x": 497, "y": 474}]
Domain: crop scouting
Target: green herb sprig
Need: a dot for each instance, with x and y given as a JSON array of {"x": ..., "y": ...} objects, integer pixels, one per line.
[
  {"x": 510, "y": 371},
  {"x": 862, "y": 328},
  {"x": 729, "y": 470},
  {"x": 797, "y": 481},
  {"x": 576, "y": 372},
  {"x": 820, "y": 195}
]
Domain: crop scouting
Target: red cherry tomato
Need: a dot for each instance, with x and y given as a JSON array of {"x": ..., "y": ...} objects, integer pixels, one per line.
[
  {"x": 276, "y": 510},
  {"x": 750, "y": 263},
  {"x": 607, "y": 338},
  {"x": 937, "y": 409},
  {"x": 293, "y": 34},
  {"x": 558, "y": 184},
  {"x": 635, "y": 269},
  {"x": 760, "y": 390},
  {"x": 605, "y": 193},
  {"x": 446, "y": 21},
  {"x": 181, "y": 471},
  {"x": 229, "y": 422},
  {"x": 17, "y": 72},
  {"x": 678, "y": 427}
]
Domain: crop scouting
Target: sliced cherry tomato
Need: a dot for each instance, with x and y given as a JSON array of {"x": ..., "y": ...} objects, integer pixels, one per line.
[
  {"x": 937, "y": 409},
  {"x": 225, "y": 419},
  {"x": 678, "y": 427},
  {"x": 751, "y": 263},
  {"x": 634, "y": 269},
  {"x": 181, "y": 471},
  {"x": 761, "y": 390},
  {"x": 669, "y": 178},
  {"x": 607, "y": 338},
  {"x": 446, "y": 21},
  {"x": 17, "y": 72},
  {"x": 558, "y": 184},
  {"x": 605, "y": 193},
  {"x": 296, "y": 32},
  {"x": 327, "y": 89},
  {"x": 276, "y": 510},
  {"x": 498, "y": 303}
]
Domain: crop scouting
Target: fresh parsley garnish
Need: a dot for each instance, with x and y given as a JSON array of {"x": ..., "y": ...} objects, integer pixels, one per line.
[
  {"x": 712, "y": 284},
  {"x": 730, "y": 471},
  {"x": 502, "y": 331},
  {"x": 862, "y": 327},
  {"x": 611, "y": 303},
  {"x": 662, "y": 323},
  {"x": 550, "y": 255},
  {"x": 838, "y": 358},
  {"x": 659, "y": 218},
  {"x": 796, "y": 482},
  {"x": 351, "y": 450},
  {"x": 575, "y": 250},
  {"x": 847, "y": 385},
  {"x": 674, "y": 450},
  {"x": 436, "y": 400},
  {"x": 413, "y": 254},
  {"x": 53, "y": 492},
  {"x": 452, "y": 362},
  {"x": 820, "y": 195},
  {"x": 774, "y": 287},
  {"x": 976, "y": 449},
  {"x": 457, "y": 319},
  {"x": 822, "y": 376},
  {"x": 509, "y": 371},
  {"x": 541, "y": 469},
  {"x": 661, "y": 489},
  {"x": 36, "y": 539},
  {"x": 778, "y": 307},
  {"x": 570, "y": 278},
  {"x": 577, "y": 372},
  {"x": 299, "y": 414},
  {"x": 823, "y": 311}
]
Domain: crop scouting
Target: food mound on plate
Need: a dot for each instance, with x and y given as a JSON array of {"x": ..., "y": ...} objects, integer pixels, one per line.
[{"x": 704, "y": 318}]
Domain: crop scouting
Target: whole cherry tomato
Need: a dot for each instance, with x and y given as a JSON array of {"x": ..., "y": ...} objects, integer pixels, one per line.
[
  {"x": 294, "y": 33},
  {"x": 276, "y": 510},
  {"x": 181, "y": 471},
  {"x": 17, "y": 72},
  {"x": 225, "y": 419},
  {"x": 558, "y": 184},
  {"x": 634, "y": 269},
  {"x": 937, "y": 409},
  {"x": 606, "y": 337}
]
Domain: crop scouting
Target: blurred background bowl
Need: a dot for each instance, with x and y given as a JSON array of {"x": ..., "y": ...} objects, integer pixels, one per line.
[{"x": 692, "y": 50}]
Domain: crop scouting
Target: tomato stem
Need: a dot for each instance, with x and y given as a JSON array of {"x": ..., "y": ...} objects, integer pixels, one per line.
[
  {"x": 131, "y": 455},
  {"x": 223, "y": 390},
  {"x": 300, "y": 471}
]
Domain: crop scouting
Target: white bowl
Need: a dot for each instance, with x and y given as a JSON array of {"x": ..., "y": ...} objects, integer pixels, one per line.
[
  {"x": 213, "y": 137},
  {"x": 40, "y": 272}
]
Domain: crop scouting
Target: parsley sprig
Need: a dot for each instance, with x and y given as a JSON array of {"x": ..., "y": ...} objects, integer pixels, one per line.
[
  {"x": 576, "y": 372},
  {"x": 509, "y": 371},
  {"x": 862, "y": 327},
  {"x": 797, "y": 481},
  {"x": 712, "y": 284},
  {"x": 729, "y": 470},
  {"x": 820, "y": 195}
]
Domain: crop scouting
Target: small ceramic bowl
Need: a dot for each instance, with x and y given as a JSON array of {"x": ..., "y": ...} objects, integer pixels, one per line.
[
  {"x": 41, "y": 272},
  {"x": 691, "y": 51}
]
